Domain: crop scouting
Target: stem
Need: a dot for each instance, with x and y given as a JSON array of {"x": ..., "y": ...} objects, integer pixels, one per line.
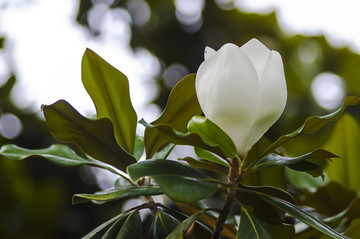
[
  {"x": 149, "y": 199},
  {"x": 230, "y": 195},
  {"x": 233, "y": 171}
]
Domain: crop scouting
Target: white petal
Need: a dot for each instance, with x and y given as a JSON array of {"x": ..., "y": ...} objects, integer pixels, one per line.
[
  {"x": 228, "y": 91},
  {"x": 208, "y": 52},
  {"x": 257, "y": 52},
  {"x": 273, "y": 95}
]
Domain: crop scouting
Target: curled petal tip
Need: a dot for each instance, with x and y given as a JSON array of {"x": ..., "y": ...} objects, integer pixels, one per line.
[{"x": 208, "y": 52}]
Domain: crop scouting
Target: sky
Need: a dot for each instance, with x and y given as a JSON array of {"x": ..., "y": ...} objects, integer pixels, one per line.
[{"x": 47, "y": 54}]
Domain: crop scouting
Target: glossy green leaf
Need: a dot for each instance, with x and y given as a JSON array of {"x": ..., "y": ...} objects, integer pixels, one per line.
[
  {"x": 344, "y": 141},
  {"x": 164, "y": 152},
  {"x": 312, "y": 124},
  {"x": 138, "y": 147},
  {"x": 251, "y": 227},
  {"x": 204, "y": 154},
  {"x": 158, "y": 167},
  {"x": 114, "y": 194},
  {"x": 205, "y": 165},
  {"x": 185, "y": 189},
  {"x": 254, "y": 153},
  {"x": 162, "y": 225},
  {"x": 94, "y": 137},
  {"x": 182, "y": 105},
  {"x": 109, "y": 90},
  {"x": 268, "y": 190},
  {"x": 58, "y": 154},
  {"x": 301, "y": 180},
  {"x": 179, "y": 181},
  {"x": 211, "y": 134},
  {"x": 126, "y": 227},
  {"x": 181, "y": 138},
  {"x": 300, "y": 163},
  {"x": 305, "y": 217},
  {"x": 184, "y": 226},
  {"x": 99, "y": 228},
  {"x": 267, "y": 177}
]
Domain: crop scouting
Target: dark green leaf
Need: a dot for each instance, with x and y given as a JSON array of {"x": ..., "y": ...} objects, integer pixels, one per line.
[
  {"x": 250, "y": 196},
  {"x": 179, "y": 181},
  {"x": 182, "y": 105},
  {"x": 251, "y": 227},
  {"x": 138, "y": 147},
  {"x": 312, "y": 124},
  {"x": 299, "y": 163},
  {"x": 162, "y": 225},
  {"x": 211, "y": 134},
  {"x": 205, "y": 165},
  {"x": 268, "y": 190},
  {"x": 101, "y": 227},
  {"x": 180, "y": 138},
  {"x": 201, "y": 231},
  {"x": 114, "y": 194},
  {"x": 228, "y": 231},
  {"x": 94, "y": 137},
  {"x": 270, "y": 177},
  {"x": 164, "y": 152},
  {"x": 126, "y": 227},
  {"x": 58, "y": 154},
  {"x": 109, "y": 90},
  {"x": 160, "y": 167},
  {"x": 183, "y": 227},
  {"x": 303, "y": 216},
  {"x": 253, "y": 155},
  {"x": 184, "y": 188}
]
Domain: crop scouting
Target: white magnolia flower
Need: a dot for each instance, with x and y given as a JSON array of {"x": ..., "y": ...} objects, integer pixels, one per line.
[{"x": 242, "y": 90}]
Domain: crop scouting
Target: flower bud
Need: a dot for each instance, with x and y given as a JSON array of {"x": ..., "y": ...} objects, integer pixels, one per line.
[{"x": 242, "y": 90}]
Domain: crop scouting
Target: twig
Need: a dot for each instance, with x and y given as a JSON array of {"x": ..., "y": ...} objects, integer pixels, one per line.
[{"x": 230, "y": 195}]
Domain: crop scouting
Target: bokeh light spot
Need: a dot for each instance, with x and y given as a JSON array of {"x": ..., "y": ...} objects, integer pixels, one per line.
[
  {"x": 225, "y": 4},
  {"x": 96, "y": 15},
  {"x": 108, "y": 2},
  {"x": 309, "y": 51},
  {"x": 328, "y": 90},
  {"x": 10, "y": 126},
  {"x": 140, "y": 12},
  {"x": 189, "y": 14},
  {"x": 174, "y": 74}
]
